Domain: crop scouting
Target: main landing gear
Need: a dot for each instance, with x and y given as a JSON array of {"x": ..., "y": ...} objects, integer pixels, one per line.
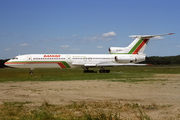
[
  {"x": 86, "y": 70},
  {"x": 102, "y": 70}
]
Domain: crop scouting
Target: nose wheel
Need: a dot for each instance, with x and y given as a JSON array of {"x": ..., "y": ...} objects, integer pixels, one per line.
[{"x": 31, "y": 70}]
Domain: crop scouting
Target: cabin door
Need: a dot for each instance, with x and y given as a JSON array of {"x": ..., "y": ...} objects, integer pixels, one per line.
[
  {"x": 68, "y": 58},
  {"x": 29, "y": 63}
]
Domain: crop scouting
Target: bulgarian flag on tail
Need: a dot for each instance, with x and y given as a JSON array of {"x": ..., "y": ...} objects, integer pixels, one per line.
[{"x": 138, "y": 46}]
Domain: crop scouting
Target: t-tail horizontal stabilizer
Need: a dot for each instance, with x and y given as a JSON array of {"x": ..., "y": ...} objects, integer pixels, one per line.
[{"x": 148, "y": 36}]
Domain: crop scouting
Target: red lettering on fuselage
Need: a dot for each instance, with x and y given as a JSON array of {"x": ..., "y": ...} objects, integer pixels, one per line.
[{"x": 52, "y": 55}]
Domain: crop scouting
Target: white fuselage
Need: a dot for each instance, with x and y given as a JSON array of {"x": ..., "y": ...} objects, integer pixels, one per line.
[{"x": 73, "y": 60}]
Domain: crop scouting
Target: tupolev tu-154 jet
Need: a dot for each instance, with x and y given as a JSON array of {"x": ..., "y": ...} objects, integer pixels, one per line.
[{"x": 119, "y": 56}]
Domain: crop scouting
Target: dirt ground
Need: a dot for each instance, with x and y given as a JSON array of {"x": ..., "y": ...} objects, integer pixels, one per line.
[{"x": 157, "y": 92}]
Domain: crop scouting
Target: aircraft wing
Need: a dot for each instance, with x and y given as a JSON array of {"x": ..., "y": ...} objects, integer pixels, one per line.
[
  {"x": 85, "y": 65},
  {"x": 106, "y": 64},
  {"x": 118, "y": 64}
]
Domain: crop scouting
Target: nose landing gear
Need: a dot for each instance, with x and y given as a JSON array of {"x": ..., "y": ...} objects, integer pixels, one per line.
[{"x": 31, "y": 70}]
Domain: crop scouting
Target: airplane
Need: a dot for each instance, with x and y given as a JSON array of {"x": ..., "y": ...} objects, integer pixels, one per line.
[{"x": 119, "y": 56}]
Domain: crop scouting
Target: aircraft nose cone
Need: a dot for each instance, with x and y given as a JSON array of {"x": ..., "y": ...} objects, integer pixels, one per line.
[{"x": 6, "y": 63}]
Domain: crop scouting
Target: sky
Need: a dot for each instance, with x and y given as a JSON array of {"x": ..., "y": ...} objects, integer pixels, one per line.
[{"x": 86, "y": 26}]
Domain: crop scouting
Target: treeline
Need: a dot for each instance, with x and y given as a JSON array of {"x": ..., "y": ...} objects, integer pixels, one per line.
[
  {"x": 2, "y": 63},
  {"x": 168, "y": 60},
  {"x": 155, "y": 60}
]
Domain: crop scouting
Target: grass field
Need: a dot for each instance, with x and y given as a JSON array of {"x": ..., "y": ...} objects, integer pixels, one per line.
[
  {"x": 124, "y": 74},
  {"x": 86, "y": 110},
  {"x": 100, "y": 110}
]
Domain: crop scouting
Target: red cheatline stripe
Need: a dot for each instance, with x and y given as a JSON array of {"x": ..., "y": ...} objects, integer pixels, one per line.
[
  {"x": 140, "y": 46},
  {"x": 16, "y": 63},
  {"x": 61, "y": 65}
]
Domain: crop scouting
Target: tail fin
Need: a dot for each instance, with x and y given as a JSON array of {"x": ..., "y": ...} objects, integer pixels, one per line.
[{"x": 136, "y": 47}]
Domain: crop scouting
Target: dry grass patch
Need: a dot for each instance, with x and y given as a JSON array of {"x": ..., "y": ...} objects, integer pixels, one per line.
[{"x": 83, "y": 110}]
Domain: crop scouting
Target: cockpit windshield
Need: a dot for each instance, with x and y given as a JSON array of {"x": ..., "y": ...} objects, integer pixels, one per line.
[{"x": 15, "y": 58}]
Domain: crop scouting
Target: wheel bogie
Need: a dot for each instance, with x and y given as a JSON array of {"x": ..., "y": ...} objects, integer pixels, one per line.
[
  {"x": 104, "y": 71},
  {"x": 89, "y": 71}
]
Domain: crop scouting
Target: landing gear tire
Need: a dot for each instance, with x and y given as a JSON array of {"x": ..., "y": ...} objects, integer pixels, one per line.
[
  {"x": 86, "y": 70},
  {"x": 89, "y": 71},
  {"x": 104, "y": 71},
  {"x": 107, "y": 71}
]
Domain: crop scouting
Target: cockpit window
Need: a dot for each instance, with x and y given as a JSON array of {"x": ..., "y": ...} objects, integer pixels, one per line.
[{"x": 15, "y": 58}]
